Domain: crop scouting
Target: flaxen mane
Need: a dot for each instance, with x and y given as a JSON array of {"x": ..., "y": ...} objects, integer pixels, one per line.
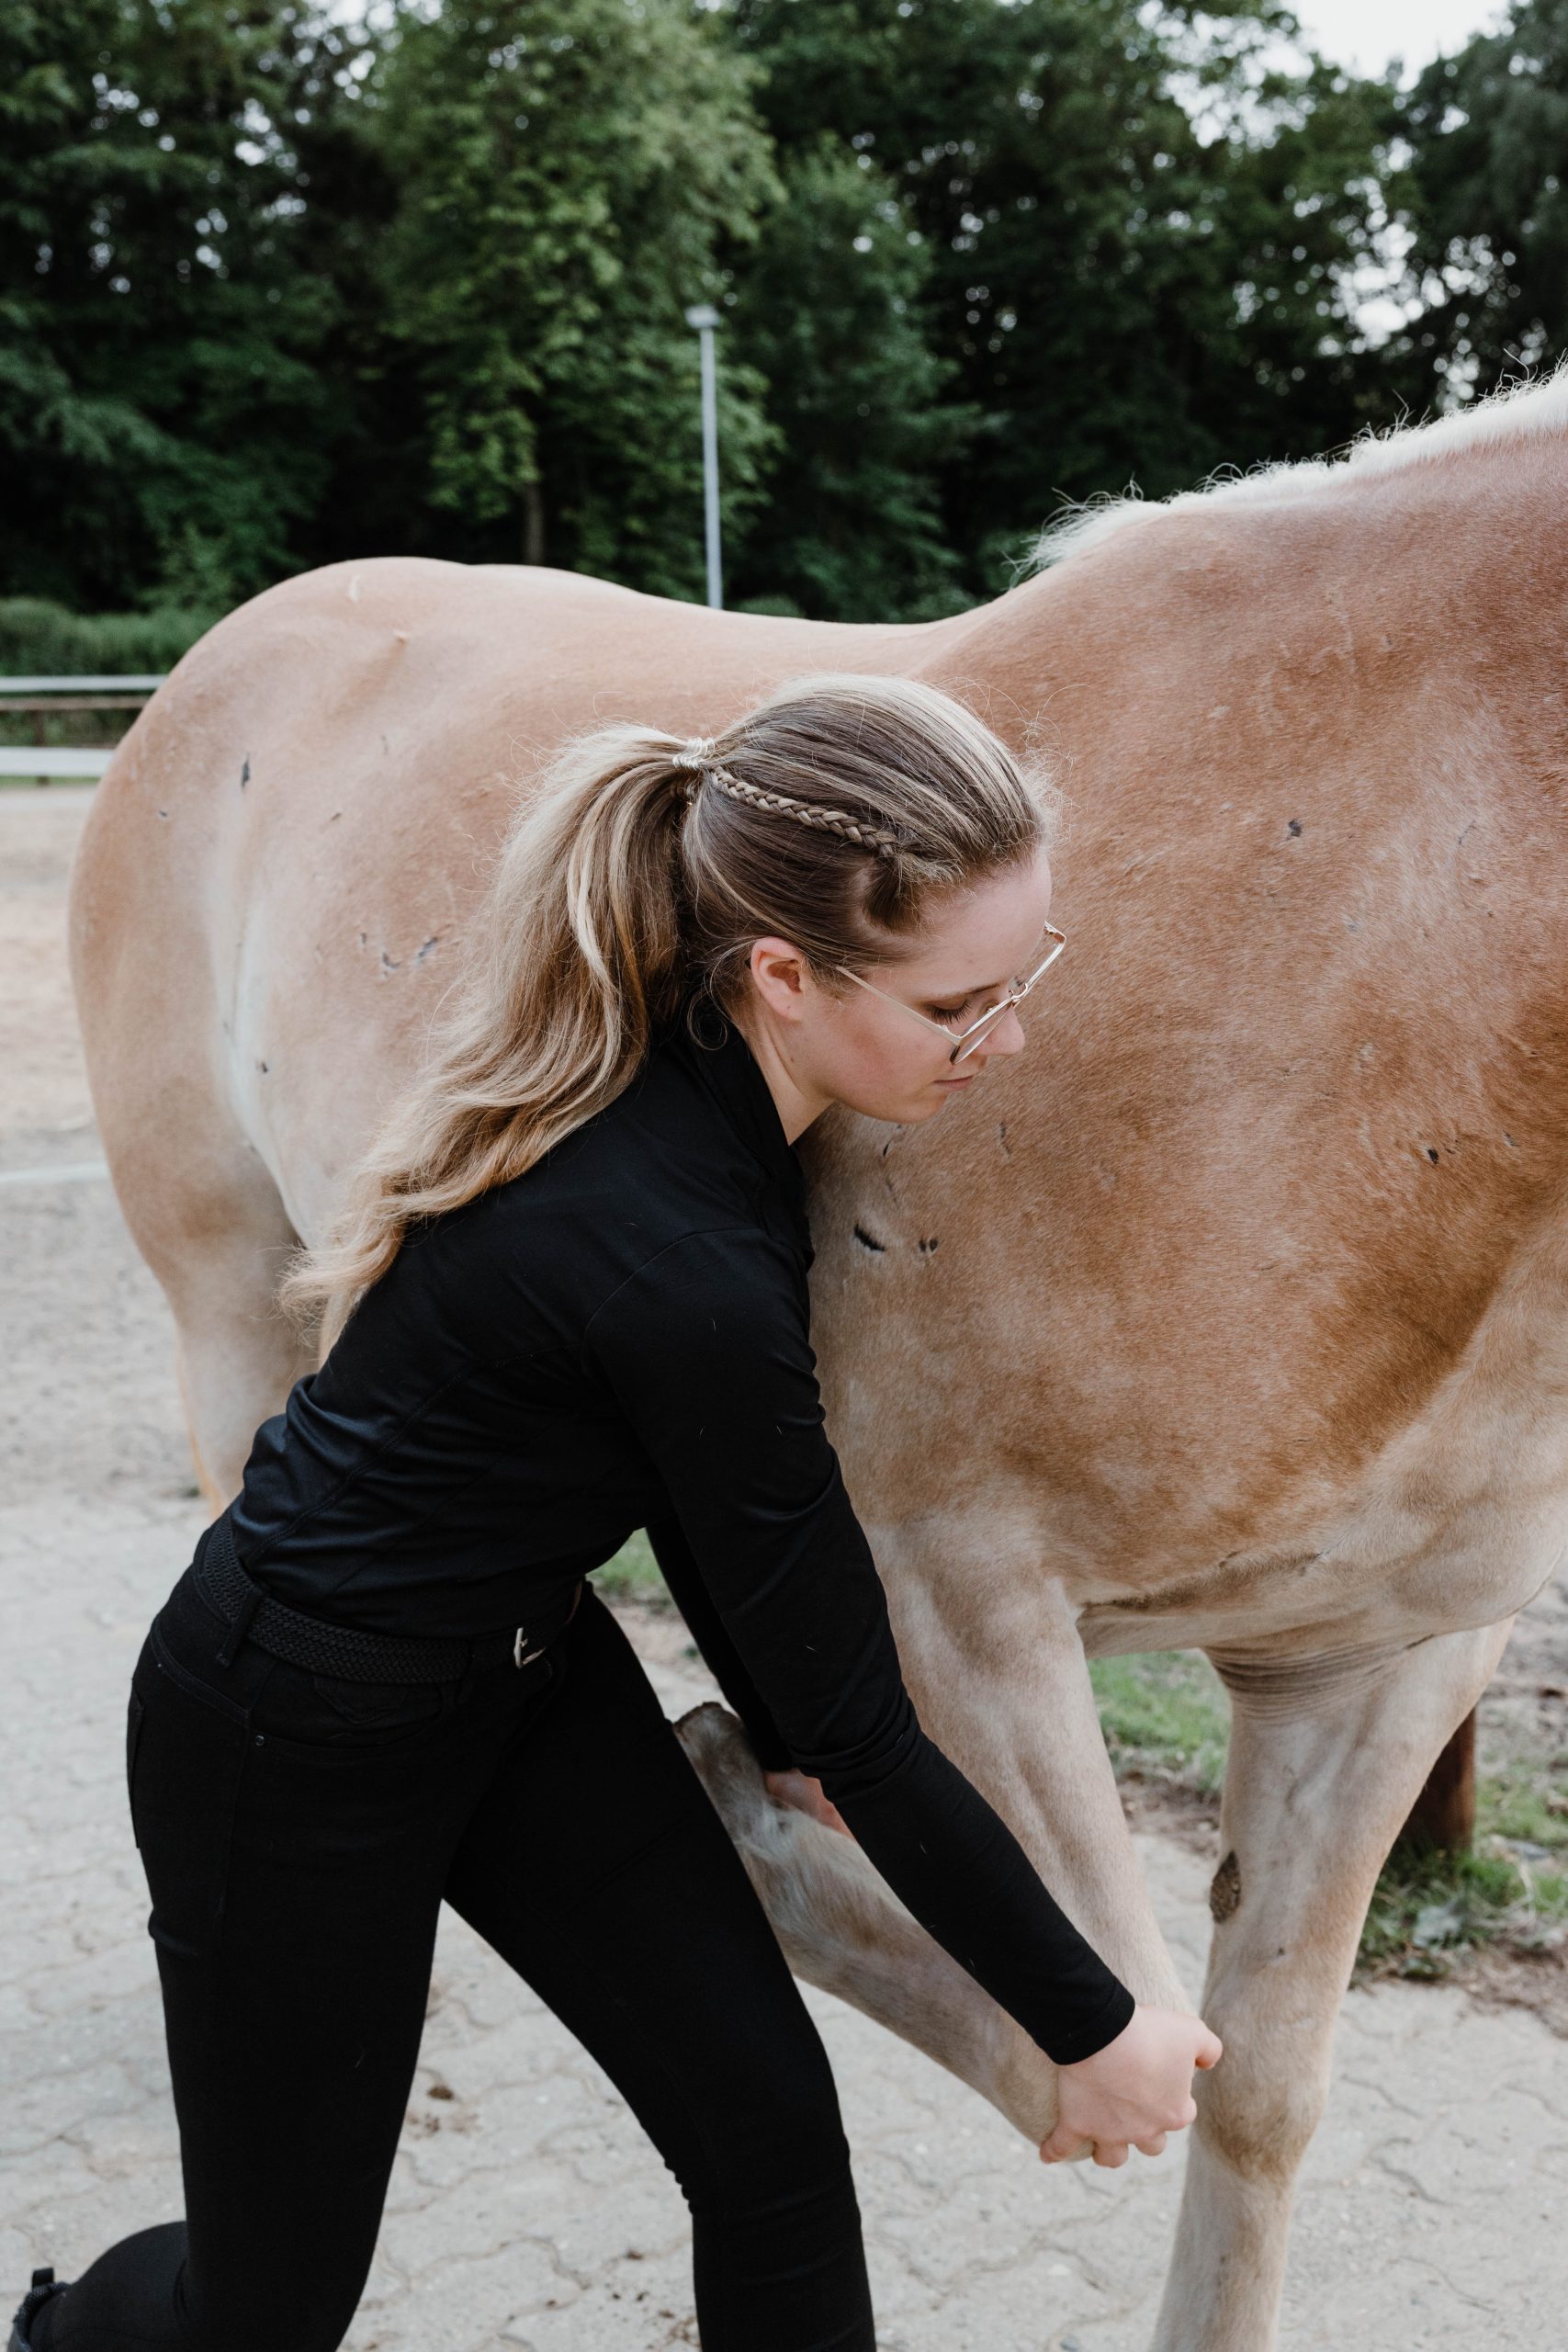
[{"x": 1520, "y": 412}]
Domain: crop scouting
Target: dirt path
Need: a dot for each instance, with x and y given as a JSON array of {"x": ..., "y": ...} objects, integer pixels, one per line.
[{"x": 527, "y": 2210}]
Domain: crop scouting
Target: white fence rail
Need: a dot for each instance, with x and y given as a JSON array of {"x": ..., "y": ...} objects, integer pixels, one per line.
[
  {"x": 40, "y": 699},
  {"x": 51, "y": 760}
]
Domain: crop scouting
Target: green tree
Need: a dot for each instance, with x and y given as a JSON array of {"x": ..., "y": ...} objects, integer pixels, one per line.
[
  {"x": 164, "y": 429},
  {"x": 276, "y": 288},
  {"x": 1121, "y": 295},
  {"x": 830, "y": 313},
  {"x": 566, "y": 169},
  {"x": 1486, "y": 205}
]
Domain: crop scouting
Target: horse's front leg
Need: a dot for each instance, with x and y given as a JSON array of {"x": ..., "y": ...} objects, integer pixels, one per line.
[
  {"x": 1320, "y": 1780},
  {"x": 999, "y": 1681}
]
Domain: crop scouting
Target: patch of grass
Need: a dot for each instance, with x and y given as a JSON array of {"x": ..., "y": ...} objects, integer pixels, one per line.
[
  {"x": 633, "y": 1574},
  {"x": 1430, "y": 1908},
  {"x": 1165, "y": 1716},
  {"x": 1516, "y": 1802}
]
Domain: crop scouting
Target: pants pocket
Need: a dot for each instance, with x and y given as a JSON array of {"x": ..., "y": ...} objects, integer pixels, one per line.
[
  {"x": 295, "y": 1708},
  {"x": 186, "y": 1755},
  {"x": 135, "y": 1711}
]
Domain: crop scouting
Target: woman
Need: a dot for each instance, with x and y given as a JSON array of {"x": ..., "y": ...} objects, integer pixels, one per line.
[{"x": 567, "y": 1297}]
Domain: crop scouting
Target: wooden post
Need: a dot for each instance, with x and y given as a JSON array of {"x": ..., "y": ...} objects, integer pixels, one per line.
[{"x": 1444, "y": 1812}]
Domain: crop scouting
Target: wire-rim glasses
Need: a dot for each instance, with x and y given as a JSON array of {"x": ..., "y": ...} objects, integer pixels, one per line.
[{"x": 979, "y": 1029}]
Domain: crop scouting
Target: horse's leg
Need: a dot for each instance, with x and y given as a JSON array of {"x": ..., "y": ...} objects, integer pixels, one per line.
[
  {"x": 1323, "y": 1771},
  {"x": 236, "y": 1356},
  {"x": 204, "y": 1212},
  {"x": 217, "y": 1236},
  {"x": 181, "y": 1102},
  {"x": 1005, "y": 1689}
]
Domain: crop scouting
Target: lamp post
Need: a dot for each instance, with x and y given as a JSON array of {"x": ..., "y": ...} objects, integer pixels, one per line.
[{"x": 705, "y": 318}]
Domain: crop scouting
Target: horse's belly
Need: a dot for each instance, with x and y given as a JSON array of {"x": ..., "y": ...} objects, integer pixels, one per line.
[{"x": 1451, "y": 1536}]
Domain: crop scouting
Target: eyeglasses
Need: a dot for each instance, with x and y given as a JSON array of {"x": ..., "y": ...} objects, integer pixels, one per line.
[{"x": 978, "y": 1030}]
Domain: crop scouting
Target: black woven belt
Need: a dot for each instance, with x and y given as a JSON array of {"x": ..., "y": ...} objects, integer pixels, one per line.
[{"x": 349, "y": 1651}]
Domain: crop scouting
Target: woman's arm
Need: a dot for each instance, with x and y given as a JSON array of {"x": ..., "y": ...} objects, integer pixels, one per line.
[
  {"x": 785, "y": 1781},
  {"x": 692, "y": 1597},
  {"x": 706, "y": 1349}
]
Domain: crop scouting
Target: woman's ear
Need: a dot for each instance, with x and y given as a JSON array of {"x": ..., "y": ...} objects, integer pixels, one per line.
[{"x": 780, "y": 976}]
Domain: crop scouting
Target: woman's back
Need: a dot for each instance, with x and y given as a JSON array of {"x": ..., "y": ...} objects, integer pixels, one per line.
[{"x": 458, "y": 1450}]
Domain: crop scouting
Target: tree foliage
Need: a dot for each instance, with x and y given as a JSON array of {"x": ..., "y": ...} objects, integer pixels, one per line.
[
  {"x": 860, "y": 401},
  {"x": 1121, "y": 298},
  {"x": 276, "y": 288},
  {"x": 1485, "y": 198},
  {"x": 163, "y": 425},
  {"x": 568, "y": 169}
]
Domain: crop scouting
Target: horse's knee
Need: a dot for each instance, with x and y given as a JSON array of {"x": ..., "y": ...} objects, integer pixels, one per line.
[{"x": 1257, "y": 2118}]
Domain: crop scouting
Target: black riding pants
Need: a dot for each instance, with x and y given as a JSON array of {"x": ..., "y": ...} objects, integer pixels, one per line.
[{"x": 299, "y": 1834}]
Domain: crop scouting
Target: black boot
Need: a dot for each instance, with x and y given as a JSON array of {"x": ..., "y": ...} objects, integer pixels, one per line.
[{"x": 44, "y": 2285}]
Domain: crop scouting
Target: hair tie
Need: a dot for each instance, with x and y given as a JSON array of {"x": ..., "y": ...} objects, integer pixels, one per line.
[{"x": 695, "y": 756}]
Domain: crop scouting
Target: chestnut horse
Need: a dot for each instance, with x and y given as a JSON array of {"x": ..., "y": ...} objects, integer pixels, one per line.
[{"x": 1233, "y": 1315}]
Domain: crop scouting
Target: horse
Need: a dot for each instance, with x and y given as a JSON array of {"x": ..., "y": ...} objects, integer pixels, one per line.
[{"x": 1233, "y": 1316}]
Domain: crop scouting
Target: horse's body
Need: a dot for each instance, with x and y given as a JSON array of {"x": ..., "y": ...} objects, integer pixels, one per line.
[{"x": 1233, "y": 1314}]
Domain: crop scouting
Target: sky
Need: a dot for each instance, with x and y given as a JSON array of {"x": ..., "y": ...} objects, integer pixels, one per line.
[
  {"x": 1363, "y": 33},
  {"x": 1367, "y": 33}
]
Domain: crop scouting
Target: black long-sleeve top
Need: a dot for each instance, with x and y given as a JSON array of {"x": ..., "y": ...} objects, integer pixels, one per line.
[{"x": 620, "y": 1337}]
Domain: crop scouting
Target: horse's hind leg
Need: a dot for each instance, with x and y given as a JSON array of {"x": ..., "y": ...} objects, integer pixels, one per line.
[
  {"x": 1318, "y": 1785},
  {"x": 147, "y": 904},
  {"x": 217, "y": 1236},
  {"x": 236, "y": 1356}
]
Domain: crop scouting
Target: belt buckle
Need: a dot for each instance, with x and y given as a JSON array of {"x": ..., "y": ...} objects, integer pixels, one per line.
[{"x": 517, "y": 1656}]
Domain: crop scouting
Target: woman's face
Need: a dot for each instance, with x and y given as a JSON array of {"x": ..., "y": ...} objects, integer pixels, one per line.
[{"x": 857, "y": 1048}]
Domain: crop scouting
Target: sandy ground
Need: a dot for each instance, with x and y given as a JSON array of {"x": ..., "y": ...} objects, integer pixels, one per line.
[{"x": 527, "y": 2210}]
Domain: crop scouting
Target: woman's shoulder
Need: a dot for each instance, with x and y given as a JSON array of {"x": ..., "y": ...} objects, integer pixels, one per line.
[
  {"x": 659, "y": 1186},
  {"x": 661, "y": 1143}
]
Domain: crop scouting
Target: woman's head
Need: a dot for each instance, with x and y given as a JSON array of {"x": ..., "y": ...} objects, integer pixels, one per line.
[
  {"x": 866, "y": 828},
  {"x": 846, "y": 825},
  {"x": 917, "y": 1029}
]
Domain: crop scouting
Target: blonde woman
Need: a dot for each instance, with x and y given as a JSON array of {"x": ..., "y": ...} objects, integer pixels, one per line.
[{"x": 567, "y": 1297}]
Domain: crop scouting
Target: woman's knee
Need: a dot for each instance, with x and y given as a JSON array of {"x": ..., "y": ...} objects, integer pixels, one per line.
[{"x": 772, "y": 2123}]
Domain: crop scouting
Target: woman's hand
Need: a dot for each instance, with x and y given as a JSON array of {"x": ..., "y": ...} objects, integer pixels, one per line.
[
  {"x": 1133, "y": 2092},
  {"x": 801, "y": 1791}
]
